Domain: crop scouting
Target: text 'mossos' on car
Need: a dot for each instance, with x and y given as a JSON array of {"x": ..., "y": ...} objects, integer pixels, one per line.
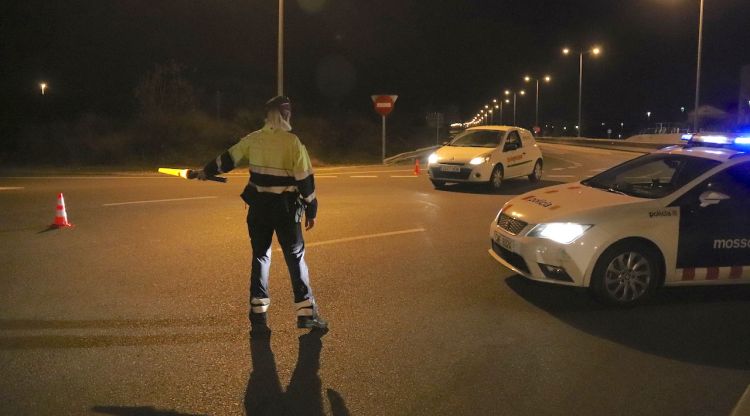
[
  {"x": 488, "y": 154},
  {"x": 675, "y": 217}
]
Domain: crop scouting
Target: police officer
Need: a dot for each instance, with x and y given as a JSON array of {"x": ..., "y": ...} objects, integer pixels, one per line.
[{"x": 281, "y": 190}]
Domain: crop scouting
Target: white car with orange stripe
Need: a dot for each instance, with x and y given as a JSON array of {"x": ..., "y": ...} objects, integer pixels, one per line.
[
  {"x": 678, "y": 216},
  {"x": 488, "y": 154}
]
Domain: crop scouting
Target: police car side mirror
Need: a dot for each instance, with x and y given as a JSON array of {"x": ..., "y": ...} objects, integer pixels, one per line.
[{"x": 711, "y": 198}]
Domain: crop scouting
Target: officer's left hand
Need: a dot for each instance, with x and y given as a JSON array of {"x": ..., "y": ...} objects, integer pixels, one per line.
[{"x": 309, "y": 223}]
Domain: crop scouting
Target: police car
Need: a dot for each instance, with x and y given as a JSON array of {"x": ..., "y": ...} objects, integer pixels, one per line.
[
  {"x": 675, "y": 217},
  {"x": 488, "y": 154}
]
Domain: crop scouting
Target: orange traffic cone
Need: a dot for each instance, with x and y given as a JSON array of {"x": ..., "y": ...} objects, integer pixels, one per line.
[
  {"x": 416, "y": 166},
  {"x": 61, "y": 218}
]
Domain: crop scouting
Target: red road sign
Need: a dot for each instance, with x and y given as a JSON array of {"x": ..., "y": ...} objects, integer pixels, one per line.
[{"x": 384, "y": 103}]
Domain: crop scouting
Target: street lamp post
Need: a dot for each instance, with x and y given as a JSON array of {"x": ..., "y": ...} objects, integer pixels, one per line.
[
  {"x": 595, "y": 51},
  {"x": 698, "y": 68},
  {"x": 280, "y": 52},
  {"x": 506, "y": 101},
  {"x": 515, "y": 93},
  {"x": 546, "y": 78}
]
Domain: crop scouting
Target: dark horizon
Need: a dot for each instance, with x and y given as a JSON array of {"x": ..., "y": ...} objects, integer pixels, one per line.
[{"x": 434, "y": 55}]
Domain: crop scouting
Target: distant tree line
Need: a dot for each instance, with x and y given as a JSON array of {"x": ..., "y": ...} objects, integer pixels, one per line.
[{"x": 169, "y": 127}]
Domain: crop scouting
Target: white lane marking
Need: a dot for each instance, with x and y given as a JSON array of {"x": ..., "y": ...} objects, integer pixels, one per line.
[
  {"x": 404, "y": 176},
  {"x": 559, "y": 176},
  {"x": 325, "y": 176},
  {"x": 362, "y": 237},
  {"x": 598, "y": 170},
  {"x": 743, "y": 405},
  {"x": 10, "y": 188},
  {"x": 373, "y": 171},
  {"x": 97, "y": 177},
  {"x": 229, "y": 175},
  {"x": 364, "y": 176},
  {"x": 157, "y": 201},
  {"x": 559, "y": 168}
]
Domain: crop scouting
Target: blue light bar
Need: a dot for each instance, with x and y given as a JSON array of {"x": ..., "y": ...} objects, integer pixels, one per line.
[
  {"x": 714, "y": 139},
  {"x": 686, "y": 137},
  {"x": 742, "y": 140}
]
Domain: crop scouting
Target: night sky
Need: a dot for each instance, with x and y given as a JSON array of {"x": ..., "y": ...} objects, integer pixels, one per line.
[{"x": 433, "y": 54}]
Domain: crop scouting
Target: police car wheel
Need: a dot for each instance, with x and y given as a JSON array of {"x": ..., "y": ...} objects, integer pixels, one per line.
[
  {"x": 438, "y": 184},
  {"x": 536, "y": 174},
  {"x": 625, "y": 274},
  {"x": 496, "y": 178}
]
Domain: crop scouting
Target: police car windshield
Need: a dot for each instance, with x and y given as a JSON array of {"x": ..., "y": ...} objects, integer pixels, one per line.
[
  {"x": 651, "y": 176},
  {"x": 478, "y": 138}
]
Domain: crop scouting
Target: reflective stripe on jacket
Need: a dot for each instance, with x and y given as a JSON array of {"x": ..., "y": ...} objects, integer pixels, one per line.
[{"x": 278, "y": 163}]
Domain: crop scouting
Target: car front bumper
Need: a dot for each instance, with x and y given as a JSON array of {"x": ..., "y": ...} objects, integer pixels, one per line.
[
  {"x": 459, "y": 173},
  {"x": 538, "y": 258}
]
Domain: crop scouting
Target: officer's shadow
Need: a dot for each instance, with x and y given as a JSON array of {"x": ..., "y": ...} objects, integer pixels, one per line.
[{"x": 303, "y": 396}]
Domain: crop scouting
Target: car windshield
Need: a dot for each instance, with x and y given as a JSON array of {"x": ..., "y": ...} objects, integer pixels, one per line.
[
  {"x": 478, "y": 138},
  {"x": 651, "y": 176}
]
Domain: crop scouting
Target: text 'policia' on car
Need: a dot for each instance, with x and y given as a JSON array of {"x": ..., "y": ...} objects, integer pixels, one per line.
[
  {"x": 675, "y": 217},
  {"x": 487, "y": 154}
]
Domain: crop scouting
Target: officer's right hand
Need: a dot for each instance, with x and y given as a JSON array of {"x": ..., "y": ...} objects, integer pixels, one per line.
[{"x": 198, "y": 174}]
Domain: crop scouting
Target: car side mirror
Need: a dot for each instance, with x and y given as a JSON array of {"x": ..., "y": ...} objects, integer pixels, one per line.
[
  {"x": 510, "y": 146},
  {"x": 709, "y": 198}
]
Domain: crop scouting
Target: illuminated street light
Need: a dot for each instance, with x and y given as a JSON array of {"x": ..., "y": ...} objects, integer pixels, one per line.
[
  {"x": 546, "y": 78},
  {"x": 43, "y": 87},
  {"x": 280, "y": 52},
  {"x": 594, "y": 51}
]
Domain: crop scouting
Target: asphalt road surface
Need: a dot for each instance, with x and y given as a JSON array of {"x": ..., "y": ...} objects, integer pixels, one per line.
[{"x": 141, "y": 308}]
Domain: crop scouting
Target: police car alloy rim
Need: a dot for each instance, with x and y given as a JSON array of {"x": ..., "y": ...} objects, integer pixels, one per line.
[{"x": 627, "y": 277}]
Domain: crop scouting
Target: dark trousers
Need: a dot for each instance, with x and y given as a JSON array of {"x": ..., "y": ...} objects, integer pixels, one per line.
[{"x": 269, "y": 214}]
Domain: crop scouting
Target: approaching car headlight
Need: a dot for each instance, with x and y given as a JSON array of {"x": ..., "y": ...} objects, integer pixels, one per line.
[
  {"x": 433, "y": 158},
  {"x": 479, "y": 160},
  {"x": 561, "y": 232}
]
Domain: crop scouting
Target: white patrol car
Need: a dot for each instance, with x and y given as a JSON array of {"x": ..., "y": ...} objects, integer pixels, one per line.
[
  {"x": 487, "y": 154},
  {"x": 678, "y": 216}
]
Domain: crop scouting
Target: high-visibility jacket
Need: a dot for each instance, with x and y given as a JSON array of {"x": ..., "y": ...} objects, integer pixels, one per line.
[{"x": 278, "y": 163}]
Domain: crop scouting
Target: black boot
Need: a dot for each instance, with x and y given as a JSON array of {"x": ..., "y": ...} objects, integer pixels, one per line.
[
  {"x": 312, "y": 322},
  {"x": 307, "y": 315}
]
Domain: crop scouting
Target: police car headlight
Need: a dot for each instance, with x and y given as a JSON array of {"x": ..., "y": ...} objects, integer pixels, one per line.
[
  {"x": 561, "y": 232},
  {"x": 479, "y": 160},
  {"x": 433, "y": 158}
]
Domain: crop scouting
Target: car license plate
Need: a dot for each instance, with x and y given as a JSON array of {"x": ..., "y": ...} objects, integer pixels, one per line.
[
  {"x": 450, "y": 168},
  {"x": 504, "y": 242}
]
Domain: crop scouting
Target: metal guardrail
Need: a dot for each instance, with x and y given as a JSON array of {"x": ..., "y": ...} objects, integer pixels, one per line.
[
  {"x": 623, "y": 145},
  {"x": 415, "y": 154},
  {"x": 640, "y": 147}
]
